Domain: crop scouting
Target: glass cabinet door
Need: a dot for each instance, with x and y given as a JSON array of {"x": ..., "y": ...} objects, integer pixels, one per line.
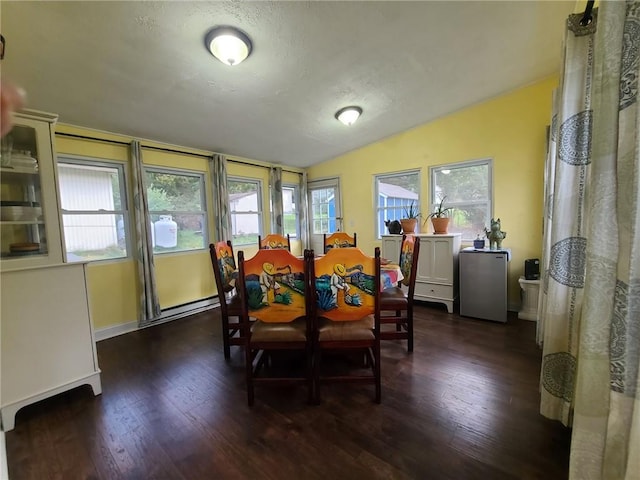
[{"x": 29, "y": 228}]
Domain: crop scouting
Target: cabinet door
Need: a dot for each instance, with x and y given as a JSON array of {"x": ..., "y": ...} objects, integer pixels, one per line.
[
  {"x": 29, "y": 218},
  {"x": 435, "y": 264},
  {"x": 442, "y": 267},
  {"x": 425, "y": 260},
  {"x": 391, "y": 247}
]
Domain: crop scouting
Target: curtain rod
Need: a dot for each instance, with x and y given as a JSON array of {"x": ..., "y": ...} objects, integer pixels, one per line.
[
  {"x": 119, "y": 142},
  {"x": 232, "y": 160},
  {"x": 94, "y": 139},
  {"x": 162, "y": 149},
  {"x": 586, "y": 18},
  {"x": 173, "y": 150}
]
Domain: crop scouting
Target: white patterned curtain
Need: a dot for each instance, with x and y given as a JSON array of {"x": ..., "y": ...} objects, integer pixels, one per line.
[
  {"x": 149, "y": 303},
  {"x": 221, "y": 213},
  {"x": 277, "y": 209},
  {"x": 590, "y": 308},
  {"x": 303, "y": 211}
]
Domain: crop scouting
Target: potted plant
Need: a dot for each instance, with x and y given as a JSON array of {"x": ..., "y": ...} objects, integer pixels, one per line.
[
  {"x": 410, "y": 220},
  {"x": 440, "y": 217}
]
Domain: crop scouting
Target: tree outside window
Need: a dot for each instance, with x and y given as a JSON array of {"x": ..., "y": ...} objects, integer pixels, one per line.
[{"x": 467, "y": 188}]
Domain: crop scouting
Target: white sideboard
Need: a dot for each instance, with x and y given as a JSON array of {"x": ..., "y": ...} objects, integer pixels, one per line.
[
  {"x": 390, "y": 247},
  {"x": 47, "y": 338},
  {"x": 437, "y": 277}
]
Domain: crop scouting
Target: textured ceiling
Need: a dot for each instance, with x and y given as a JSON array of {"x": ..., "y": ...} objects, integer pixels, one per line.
[{"x": 141, "y": 68}]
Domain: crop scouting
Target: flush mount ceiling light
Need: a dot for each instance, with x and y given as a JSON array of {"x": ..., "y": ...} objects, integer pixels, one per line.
[
  {"x": 349, "y": 115},
  {"x": 228, "y": 44}
]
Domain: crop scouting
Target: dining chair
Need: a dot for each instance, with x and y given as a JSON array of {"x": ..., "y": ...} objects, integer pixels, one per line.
[
  {"x": 347, "y": 315},
  {"x": 225, "y": 273},
  {"x": 339, "y": 240},
  {"x": 274, "y": 290},
  {"x": 274, "y": 240},
  {"x": 399, "y": 301}
]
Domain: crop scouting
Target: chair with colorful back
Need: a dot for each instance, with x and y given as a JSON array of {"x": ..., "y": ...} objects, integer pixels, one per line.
[
  {"x": 225, "y": 273},
  {"x": 274, "y": 288},
  {"x": 339, "y": 240},
  {"x": 347, "y": 314},
  {"x": 274, "y": 241},
  {"x": 399, "y": 301}
]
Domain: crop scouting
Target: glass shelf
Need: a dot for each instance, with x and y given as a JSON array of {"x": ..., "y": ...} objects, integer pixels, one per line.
[{"x": 28, "y": 199}]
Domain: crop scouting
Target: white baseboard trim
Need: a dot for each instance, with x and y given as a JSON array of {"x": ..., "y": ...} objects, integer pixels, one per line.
[{"x": 167, "y": 315}]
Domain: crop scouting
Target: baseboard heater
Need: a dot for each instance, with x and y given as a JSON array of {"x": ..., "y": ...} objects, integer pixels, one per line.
[
  {"x": 167, "y": 315},
  {"x": 186, "y": 309}
]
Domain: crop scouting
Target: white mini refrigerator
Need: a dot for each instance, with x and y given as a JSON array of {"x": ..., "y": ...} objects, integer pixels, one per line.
[{"x": 483, "y": 283}]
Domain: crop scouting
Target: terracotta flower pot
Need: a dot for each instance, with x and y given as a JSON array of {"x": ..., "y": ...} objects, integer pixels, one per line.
[
  {"x": 440, "y": 225},
  {"x": 409, "y": 225}
]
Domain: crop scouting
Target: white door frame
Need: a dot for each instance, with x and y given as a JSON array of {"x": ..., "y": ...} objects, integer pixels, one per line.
[{"x": 316, "y": 237}]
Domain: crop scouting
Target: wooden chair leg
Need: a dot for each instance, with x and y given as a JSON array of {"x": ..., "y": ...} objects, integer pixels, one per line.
[
  {"x": 410, "y": 335},
  {"x": 225, "y": 337},
  {"x": 316, "y": 376},
  {"x": 410, "y": 329},
  {"x": 310, "y": 380},
  {"x": 377, "y": 373},
  {"x": 248, "y": 361}
]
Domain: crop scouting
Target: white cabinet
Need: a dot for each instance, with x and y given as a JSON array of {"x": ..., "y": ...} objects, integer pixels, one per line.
[
  {"x": 390, "y": 247},
  {"x": 29, "y": 215},
  {"x": 48, "y": 343},
  {"x": 46, "y": 334},
  {"x": 437, "y": 277}
]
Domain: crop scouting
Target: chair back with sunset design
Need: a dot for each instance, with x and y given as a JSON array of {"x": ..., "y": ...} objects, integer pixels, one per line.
[
  {"x": 409, "y": 250},
  {"x": 347, "y": 312},
  {"x": 274, "y": 241},
  {"x": 339, "y": 240},
  {"x": 396, "y": 302},
  {"x": 225, "y": 274},
  {"x": 273, "y": 287}
]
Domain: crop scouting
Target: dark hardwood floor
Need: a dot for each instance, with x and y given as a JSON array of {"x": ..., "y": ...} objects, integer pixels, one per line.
[{"x": 464, "y": 405}]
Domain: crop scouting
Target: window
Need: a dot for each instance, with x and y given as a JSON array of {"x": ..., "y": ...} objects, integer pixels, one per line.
[
  {"x": 177, "y": 209},
  {"x": 245, "y": 204},
  {"x": 290, "y": 202},
  {"x": 466, "y": 187},
  {"x": 94, "y": 209},
  {"x": 395, "y": 193},
  {"x": 324, "y": 205}
]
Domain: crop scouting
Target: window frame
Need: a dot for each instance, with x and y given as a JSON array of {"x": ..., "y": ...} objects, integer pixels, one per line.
[
  {"x": 457, "y": 165},
  {"x": 259, "y": 205},
  {"x": 325, "y": 184},
  {"x": 296, "y": 212},
  {"x": 203, "y": 202},
  {"x": 380, "y": 228},
  {"x": 93, "y": 162}
]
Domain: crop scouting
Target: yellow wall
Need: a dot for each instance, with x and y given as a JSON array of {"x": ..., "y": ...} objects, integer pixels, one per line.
[
  {"x": 510, "y": 129},
  {"x": 113, "y": 290},
  {"x": 181, "y": 277}
]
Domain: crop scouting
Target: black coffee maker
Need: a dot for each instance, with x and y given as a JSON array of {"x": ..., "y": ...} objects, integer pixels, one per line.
[{"x": 532, "y": 269}]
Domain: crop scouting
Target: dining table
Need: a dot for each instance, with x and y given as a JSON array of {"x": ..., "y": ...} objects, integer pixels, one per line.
[{"x": 390, "y": 275}]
